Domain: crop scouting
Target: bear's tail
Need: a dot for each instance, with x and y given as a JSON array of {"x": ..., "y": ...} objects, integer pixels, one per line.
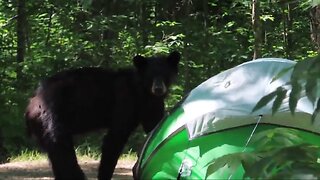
[{"x": 33, "y": 116}]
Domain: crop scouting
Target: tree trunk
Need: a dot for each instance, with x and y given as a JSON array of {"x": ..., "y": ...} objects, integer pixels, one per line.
[
  {"x": 315, "y": 26},
  {"x": 289, "y": 30},
  {"x": 287, "y": 27},
  {"x": 3, "y": 151},
  {"x": 256, "y": 24},
  {"x": 143, "y": 23},
  {"x": 51, "y": 12},
  {"x": 187, "y": 49},
  {"x": 21, "y": 36},
  {"x": 205, "y": 4}
]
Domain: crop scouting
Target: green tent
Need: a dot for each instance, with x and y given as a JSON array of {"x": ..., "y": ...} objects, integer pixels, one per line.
[{"x": 215, "y": 119}]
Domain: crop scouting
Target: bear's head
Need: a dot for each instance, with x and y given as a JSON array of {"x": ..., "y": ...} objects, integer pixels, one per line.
[{"x": 157, "y": 73}]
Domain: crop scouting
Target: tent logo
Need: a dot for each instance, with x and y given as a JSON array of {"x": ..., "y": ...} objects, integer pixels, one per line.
[{"x": 185, "y": 168}]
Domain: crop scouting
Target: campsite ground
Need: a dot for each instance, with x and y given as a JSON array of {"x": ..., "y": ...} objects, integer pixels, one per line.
[{"x": 40, "y": 170}]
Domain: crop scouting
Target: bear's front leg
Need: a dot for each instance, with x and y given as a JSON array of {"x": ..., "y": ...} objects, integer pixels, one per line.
[
  {"x": 112, "y": 147},
  {"x": 123, "y": 122}
]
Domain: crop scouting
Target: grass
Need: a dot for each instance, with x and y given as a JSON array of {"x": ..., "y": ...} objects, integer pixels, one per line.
[
  {"x": 87, "y": 153},
  {"x": 28, "y": 155},
  {"x": 129, "y": 156},
  {"x": 83, "y": 154}
]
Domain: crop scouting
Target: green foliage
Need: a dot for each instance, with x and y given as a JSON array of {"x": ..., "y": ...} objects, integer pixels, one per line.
[
  {"x": 305, "y": 80},
  {"x": 314, "y": 2},
  {"x": 266, "y": 99},
  {"x": 287, "y": 162},
  {"x": 279, "y": 154},
  {"x": 232, "y": 161},
  {"x": 269, "y": 139}
]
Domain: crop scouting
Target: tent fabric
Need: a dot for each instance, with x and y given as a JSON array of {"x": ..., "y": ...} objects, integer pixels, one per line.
[
  {"x": 227, "y": 99},
  {"x": 215, "y": 119}
]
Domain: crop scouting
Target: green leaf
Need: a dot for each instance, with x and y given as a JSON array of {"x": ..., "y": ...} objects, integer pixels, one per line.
[
  {"x": 268, "y": 139},
  {"x": 258, "y": 169},
  {"x": 284, "y": 161},
  {"x": 281, "y": 73},
  {"x": 299, "y": 70},
  {"x": 233, "y": 161},
  {"x": 311, "y": 90},
  {"x": 299, "y": 175},
  {"x": 294, "y": 96},
  {"x": 291, "y": 135},
  {"x": 315, "y": 3},
  {"x": 264, "y": 101},
  {"x": 316, "y": 111},
  {"x": 216, "y": 165},
  {"x": 283, "y": 141},
  {"x": 267, "y": 17},
  {"x": 248, "y": 159},
  {"x": 281, "y": 95}
]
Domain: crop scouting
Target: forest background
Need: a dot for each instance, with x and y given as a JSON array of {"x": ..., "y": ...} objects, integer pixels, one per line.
[{"x": 40, "y": 38}]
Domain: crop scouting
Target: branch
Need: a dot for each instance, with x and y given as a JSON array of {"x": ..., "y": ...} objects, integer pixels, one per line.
[{"x": 9, "y": 21}]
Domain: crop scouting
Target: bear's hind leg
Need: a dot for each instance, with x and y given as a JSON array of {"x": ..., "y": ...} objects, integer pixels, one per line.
[{"x": 63, "y": 159}]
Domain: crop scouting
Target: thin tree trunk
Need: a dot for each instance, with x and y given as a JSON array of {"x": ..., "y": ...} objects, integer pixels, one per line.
[
  {"x": 187, "y": 68},
  {"x": 287, "y": 26},
  {"x": 289, "y": 30},
  {"x": 3, "y": 151},
  {"x": 315, "y": 26},
  {"x": 205, "y": 4},
  {"x": 21, "y": 35},
  {"x": 256, "y": 24},
  {"x": 51, "y": 12},
  {"x": 143, "y": 23}
]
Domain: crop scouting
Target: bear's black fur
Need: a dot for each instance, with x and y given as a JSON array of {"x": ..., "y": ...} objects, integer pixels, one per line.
[{"x": 81, "y": 100}]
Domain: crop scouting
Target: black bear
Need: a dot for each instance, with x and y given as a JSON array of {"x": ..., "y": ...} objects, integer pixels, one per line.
[{"x": 81, "y": 100}]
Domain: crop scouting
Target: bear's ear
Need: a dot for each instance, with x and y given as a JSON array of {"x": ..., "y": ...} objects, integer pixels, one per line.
[
  {"x": 174, "y": 58},
  {"x": 139, "y": 61}
]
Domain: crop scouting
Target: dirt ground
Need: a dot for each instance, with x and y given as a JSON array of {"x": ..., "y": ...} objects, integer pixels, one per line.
[{"x": 41, "y": 170}]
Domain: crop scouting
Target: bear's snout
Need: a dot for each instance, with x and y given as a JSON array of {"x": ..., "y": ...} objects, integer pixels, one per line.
[{"x": 158, "y": 87}]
